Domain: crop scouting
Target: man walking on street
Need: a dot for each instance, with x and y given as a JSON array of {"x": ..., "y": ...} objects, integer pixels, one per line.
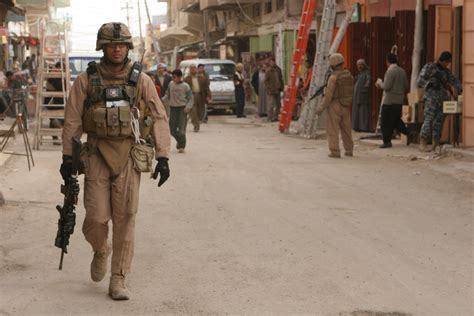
[
  {"x": 395, "y": 86},
  {"x": 103, "y": 103},
  {"x": 201, "y": 95},
  {"x": 179, "y": 98},
  {"x": 162, "y": 79},
  {"x": 273, "y": 85},
  {"x": 440, "y": 85},
  {"x": 337, "y": 99},
  {"x": 202, "y": 73}
]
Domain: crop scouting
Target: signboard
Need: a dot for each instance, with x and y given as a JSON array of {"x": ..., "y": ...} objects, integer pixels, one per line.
[
  {"x": 159, "y": 19},
  {"x": 356, "y": 13}
]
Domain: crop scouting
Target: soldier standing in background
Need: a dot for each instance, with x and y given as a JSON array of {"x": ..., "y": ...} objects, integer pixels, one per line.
[
  {"x": 337, "y": 99},
  {"x": 439, "y": 84},
  {"x": 103, "y": 103}
]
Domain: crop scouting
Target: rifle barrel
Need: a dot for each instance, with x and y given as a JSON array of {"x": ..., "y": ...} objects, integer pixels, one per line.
[{"x": 61, "y": 260}]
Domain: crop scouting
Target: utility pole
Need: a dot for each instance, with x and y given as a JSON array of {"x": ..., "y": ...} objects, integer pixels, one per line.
[
  {"x": 207, "y": 40},
  {"x": 128, "y": 8},
  {"x": 142, "y": 44},
  {"x": 156, "y": 45}
]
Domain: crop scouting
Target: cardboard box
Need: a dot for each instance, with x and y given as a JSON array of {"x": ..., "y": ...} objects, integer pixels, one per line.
[
  {"x": 407, "y": 114},
  {"x": 451, "y": 107},
  {"x": 415, "y": 96}
]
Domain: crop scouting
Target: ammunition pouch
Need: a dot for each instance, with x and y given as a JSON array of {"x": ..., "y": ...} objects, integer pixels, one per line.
[{"x": 142, "y": 157}]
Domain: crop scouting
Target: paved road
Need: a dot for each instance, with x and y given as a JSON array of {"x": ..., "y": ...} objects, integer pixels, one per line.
[{"x": 255, "y": 222}]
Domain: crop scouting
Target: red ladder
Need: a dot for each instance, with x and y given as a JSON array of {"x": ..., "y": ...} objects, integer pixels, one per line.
[{"x": 298, "y": 55}]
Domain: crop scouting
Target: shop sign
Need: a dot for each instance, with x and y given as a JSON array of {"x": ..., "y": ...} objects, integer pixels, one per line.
[
  {"x": 62, "y": 3},
  {"x": 356, "y": 12},
  {"x": 12, "y": 17}
]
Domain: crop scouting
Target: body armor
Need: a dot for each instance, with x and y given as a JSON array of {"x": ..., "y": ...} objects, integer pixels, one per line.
[
  {"x": 108, "y": 113},
  {"x": 344, "y": 87},
  {"x": 109, "y": 106}
]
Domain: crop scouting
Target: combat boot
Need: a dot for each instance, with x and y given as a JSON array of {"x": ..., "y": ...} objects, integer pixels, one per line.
[
  {"x": 117, "y": 289},
  {"x": 334, "y": 155},
  {"x": 423, "y": 147},
  {"x": 434, "y": 144},
  {"x": 99, "y": 264}
]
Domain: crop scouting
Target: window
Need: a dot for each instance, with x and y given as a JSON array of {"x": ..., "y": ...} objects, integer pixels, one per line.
[
  {"x": 280, "y": 4},
  {"x": 256, "y": 10},
  {"x": 268, "y": 7}
]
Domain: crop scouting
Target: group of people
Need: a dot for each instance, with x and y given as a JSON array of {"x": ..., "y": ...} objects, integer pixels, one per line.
[
  {"x": 341, "y": 91},
  {"x": 183, "y": 98},
  {"x": 267, "y": 82},
  {"x": 123, "y": 116}
]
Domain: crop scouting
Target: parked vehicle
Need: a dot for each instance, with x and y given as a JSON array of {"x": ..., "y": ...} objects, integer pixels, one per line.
[
  {"x": 221, "y": 73},
  {"x": 78, "y": 62}
]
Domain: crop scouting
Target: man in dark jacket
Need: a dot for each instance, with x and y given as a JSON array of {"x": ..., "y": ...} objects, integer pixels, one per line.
[
  {"x": 201, "y": 94},
  {"x": 273, "y": 85},
  {"x": 162, "y": 79}
]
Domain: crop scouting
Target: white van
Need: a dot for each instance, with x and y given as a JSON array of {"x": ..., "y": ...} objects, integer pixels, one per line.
[
  {"x": 78, "y": 62},
  {"x": 221, "y": 78}
]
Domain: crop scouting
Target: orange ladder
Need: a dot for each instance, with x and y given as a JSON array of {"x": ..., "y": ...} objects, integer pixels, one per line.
[{"x": 307, "y": 16}]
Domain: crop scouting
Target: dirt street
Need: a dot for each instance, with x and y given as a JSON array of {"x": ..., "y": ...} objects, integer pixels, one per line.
[{"x": 255, "y": 222}]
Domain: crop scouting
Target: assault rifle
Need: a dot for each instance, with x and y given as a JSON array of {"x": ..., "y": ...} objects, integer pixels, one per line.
[
  {"x": 320, "y": 90},
  {"x": 70, "y": 189}
]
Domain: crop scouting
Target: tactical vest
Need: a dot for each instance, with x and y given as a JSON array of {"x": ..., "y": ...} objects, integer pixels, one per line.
[
  {"x": 344, "y": 87},
  {"x": 113, "y": 122}
]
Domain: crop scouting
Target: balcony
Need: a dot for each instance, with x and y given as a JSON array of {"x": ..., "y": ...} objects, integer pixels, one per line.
[
  {"x": 224, "y": 4},
  {"x": 191, "y": 22}
]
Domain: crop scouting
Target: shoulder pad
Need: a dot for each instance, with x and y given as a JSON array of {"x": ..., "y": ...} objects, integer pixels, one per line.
[{"x": 91, "y": 68}]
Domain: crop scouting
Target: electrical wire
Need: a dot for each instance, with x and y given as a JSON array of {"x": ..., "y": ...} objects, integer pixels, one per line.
[{"x": 245, "y": 14}]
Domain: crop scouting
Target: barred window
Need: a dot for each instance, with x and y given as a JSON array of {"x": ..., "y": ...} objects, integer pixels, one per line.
[
  {"x": 280, "y": 4},
  {"x": 268, "y": 7}
]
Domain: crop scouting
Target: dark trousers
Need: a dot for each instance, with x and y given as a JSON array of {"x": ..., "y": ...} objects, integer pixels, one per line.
[
  {"x": 391, "y": 120},
  {"x": 178, "y": 125},
  {"x": 239, "y": 100}
]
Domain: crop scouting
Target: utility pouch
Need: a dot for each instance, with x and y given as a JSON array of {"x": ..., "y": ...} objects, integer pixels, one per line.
[
  {"x": 125, "y": 121},
  {"x": 142, "y": 156},
  {"x": 99, "y": 118},
  {"x": 87, "y": 119},
  {"x": 113, "y": 128}
]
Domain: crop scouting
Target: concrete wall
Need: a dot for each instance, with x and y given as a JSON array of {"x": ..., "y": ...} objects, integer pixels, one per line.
[
  {"x": 468, "y": 77},
  {"x": 389, "y": 7}
]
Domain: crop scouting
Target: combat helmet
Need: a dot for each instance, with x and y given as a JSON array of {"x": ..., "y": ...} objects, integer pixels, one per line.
[
  {"x": 336, "y": 60},
  {"x": 113, "y": 32}
]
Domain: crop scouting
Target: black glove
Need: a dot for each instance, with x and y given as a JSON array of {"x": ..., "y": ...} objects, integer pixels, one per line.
[
  {"x": 163, "y": 169},
  {"x": 66, "y": 168}
]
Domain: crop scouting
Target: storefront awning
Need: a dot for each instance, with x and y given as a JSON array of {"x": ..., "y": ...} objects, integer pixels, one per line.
[{"x": 175, "y": 33}]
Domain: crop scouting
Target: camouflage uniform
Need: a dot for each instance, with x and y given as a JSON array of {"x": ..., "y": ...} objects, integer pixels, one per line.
[{"x": 435, "y": 79}]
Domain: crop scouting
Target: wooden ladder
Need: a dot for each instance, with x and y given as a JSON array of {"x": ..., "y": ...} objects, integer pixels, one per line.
[{"x": 53, "y": 83}]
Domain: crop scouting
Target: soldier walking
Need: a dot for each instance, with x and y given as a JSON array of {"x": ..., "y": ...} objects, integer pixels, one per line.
[
  {"x": 440, "y": 85},
  {"x": 337, "y": 99},
  {"x": 104, "y": 103}
]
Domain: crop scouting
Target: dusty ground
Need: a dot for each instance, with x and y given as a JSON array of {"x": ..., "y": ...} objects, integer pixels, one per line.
[{"x": 255, "y": 222}]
